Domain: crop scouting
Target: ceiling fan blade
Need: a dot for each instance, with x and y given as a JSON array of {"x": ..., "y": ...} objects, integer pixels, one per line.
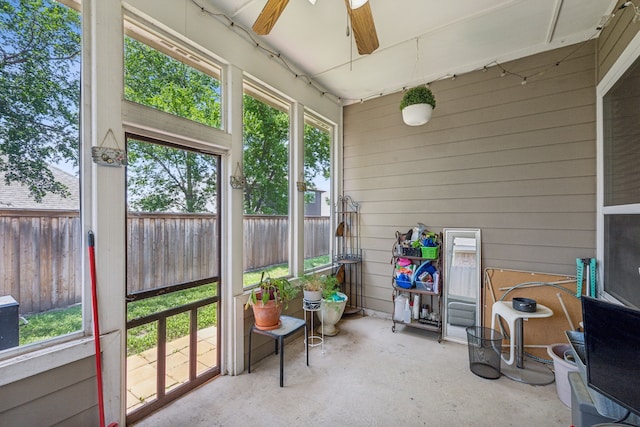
[
  {"x": 364, "y": 30},
  {"x": 268, "y": 17}
]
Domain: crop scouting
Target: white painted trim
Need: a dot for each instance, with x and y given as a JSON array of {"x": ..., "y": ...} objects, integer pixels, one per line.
[
  {"x": 152, "y": 123},
  {"x": 48, "y": 358},
  {"x": 554, "y": 20},
  {"x": 232, "y": 230},
  {"x": 621, "y": 209},
  {"x": 296, "y": 202},
  {"x": 105, "y": 40},
  {"x": 624, "y": 61}
]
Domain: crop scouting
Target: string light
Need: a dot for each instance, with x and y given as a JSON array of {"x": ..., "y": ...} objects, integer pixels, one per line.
[
  {"x": 504, "y": 72},
  {"x": 276, "y": 56},
  {"x": 636, "y": 10},
  {"x": 485, "y": 68}
]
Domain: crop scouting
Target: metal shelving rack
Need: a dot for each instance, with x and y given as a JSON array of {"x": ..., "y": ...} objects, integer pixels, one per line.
[
  {"x": 347, "y": 253},
  {"x": 435, "y": 298}
]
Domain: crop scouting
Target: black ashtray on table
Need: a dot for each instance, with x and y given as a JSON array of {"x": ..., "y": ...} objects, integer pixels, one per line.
[{"x": 526, "y": 305}]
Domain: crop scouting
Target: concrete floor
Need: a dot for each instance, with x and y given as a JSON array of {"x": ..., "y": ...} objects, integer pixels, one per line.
[{"x": 367, "y": 376}]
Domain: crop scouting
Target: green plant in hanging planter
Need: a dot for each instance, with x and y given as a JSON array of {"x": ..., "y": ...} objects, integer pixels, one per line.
[{"x": 418, "y": 95}]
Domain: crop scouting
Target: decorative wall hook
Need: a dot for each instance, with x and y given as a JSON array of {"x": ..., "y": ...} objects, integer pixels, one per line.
[
  {"x": 109, "y": 156},
  {"x": 238, "y": 180},
  {"x": 302, "y": 186}
]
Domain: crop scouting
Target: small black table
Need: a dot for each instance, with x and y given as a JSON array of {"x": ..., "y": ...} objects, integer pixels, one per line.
[{"x": 289, "y": 325}]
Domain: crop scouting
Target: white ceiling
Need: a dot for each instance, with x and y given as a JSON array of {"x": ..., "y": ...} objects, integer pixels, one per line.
[{"x": 420, "y": 40}]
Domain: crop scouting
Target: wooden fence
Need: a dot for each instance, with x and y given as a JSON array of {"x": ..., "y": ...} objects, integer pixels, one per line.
[
  {"x": 41, "y": 251},
  {"x": 40, "y": 254},
  {"x": 167, "y": 249}
]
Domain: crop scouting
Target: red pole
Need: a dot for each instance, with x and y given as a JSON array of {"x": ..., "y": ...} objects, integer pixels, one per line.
[{"x": 96, "y": 326}]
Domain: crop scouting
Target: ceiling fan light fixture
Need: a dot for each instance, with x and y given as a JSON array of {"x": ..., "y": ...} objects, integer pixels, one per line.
[
  {"x": 312, "y": 2},
  {"x": 354, "y": 4}
]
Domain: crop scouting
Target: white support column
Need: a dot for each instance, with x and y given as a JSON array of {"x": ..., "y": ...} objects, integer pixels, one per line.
[
  {"x": 232, "y": 230},
  {"x": 337, "y": 173},
  {"x": 296, "y": 202},
  {"x": 104, "y": 189}
]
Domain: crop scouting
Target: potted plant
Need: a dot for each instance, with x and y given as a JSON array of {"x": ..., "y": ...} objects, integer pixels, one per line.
[
  {"x": 268, "y": 299},
  {"x": 417, "y": 105},
  {"x": 312, "y": 286},
  {"x": 332, "y": 306}
]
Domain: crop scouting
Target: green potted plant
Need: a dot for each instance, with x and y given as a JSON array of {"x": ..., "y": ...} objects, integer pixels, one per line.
[
  {"x": 417, "y": 105},
  {"x": 268, "y": 299},
  {"x": 333, "y": 304}
]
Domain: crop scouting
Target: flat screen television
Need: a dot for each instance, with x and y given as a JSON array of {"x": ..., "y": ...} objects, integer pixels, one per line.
[{"x": 612, "y": 349}]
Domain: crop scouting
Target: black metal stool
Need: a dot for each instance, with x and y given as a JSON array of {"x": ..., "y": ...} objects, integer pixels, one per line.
[{"x": 289, "y": 326}]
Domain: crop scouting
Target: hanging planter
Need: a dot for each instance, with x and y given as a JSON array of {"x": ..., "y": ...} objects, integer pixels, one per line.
[{"x": 417, "y": 105}]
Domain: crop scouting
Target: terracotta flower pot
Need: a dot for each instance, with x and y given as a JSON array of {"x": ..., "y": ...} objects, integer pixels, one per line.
[{"x": 267, "y": 316}]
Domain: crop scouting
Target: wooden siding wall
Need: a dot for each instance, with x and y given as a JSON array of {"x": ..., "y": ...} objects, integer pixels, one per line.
[
  {"x": 614, "y": 38},
  {"x": 516, "y": 161},
  {"x": 64, "y": 396}
]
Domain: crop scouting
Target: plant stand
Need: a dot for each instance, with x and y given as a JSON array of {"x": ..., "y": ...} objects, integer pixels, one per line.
[
  {"x": 288, "y": 326},
  {"x": 313, "y": 307},
  {"x": 347, "y": 255}
]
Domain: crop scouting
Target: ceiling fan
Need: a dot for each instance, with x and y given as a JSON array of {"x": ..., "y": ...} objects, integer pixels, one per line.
[{"x": 364, "y": 30}]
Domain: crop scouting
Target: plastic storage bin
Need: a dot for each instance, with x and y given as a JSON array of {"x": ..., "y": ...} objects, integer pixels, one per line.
[
  {"x": 403, "y": 281},
  {"x": 411, "y": 252},
  {"x": 430, "y": 252},
  {"x": 561, "y": 369},
  {"x": 484, "y": 351},
  {"x": 426, "y": 277}
]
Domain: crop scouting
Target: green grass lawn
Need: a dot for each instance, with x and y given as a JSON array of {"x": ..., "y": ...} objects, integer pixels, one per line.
[
  {"x": 51, "y": 324},
  {"x": 55, "y": 323},
  {"x": 144, "y": 337}
]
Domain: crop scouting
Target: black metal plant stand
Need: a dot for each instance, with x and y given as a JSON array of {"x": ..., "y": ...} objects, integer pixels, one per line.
[{"x": 347, "y": 253}]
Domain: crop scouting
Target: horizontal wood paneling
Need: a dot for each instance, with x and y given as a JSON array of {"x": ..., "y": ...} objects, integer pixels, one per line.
[
  {"x": 52, "y": 397},
  {"x": 614, "y": 38},
  {"x": 516, "y": 161}
]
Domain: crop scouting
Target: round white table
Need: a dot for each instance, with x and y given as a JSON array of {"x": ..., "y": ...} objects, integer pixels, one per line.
[{"x": 524, "y": 370}]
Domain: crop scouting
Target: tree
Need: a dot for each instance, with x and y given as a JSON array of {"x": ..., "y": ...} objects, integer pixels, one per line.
[
  {"x": 39, "y": 92},
  {"x": 317, "y": 153},
  {"x": 266, "y": 155},
  {"x": 170, "y": 179},
  {"x": 163, "y": 178}
]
